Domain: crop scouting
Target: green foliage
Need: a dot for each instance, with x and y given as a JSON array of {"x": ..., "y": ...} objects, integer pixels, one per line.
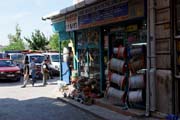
[
  {"x": 54, "y": 42},
  {"x": 38, "y": 41},
  {"x": 16, "y": 42}
]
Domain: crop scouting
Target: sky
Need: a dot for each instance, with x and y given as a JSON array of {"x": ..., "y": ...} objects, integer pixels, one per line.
[{"x": 28, "y": 14}]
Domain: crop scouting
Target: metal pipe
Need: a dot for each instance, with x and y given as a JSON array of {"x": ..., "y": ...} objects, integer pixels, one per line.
[
  {"x": 152, "y": 58},
  {"x": 148, "y": 58}
]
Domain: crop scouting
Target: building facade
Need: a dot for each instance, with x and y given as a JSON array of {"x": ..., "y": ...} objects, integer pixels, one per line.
[{"x": 132, "y": 40}]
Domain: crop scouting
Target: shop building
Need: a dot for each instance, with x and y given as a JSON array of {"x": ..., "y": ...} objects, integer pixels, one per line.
[{"x": 130, "y": 46}]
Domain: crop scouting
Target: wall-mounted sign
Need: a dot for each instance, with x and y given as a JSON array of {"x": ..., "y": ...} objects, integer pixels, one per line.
[
  {"x": 72, "y": 22},
  {"x": 106, "y": 12},
  {"x": 103, "y": 13}
]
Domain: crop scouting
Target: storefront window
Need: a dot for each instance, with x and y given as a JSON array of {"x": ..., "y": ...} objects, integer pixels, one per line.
[
  {"x": 88, "y": 51},
  {"x": 177, "y": 17}
]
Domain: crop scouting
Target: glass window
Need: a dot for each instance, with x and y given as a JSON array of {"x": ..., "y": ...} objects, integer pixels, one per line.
[
  {"x": 38, "y": 59},
  {"x": 6, "y": 63},
  {"x": 55, "y": 58}
]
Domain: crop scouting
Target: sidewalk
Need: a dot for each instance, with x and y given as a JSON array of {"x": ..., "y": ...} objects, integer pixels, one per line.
[{"x": 104, "y": 112}]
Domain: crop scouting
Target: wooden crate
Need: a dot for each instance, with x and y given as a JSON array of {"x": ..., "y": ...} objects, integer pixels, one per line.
[
  {"x": 162, "y": 4},
  {"x": 163, "y": 46},
  {"x": 163, "y": 15},
  {"x": 163, "y": 61},
  {"x": 162, "y": 31},
  {"x": 164, "y": 91}
]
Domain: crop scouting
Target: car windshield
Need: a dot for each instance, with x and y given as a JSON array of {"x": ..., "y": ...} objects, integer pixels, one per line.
[
  {"x": 38, "y": 58},
  {"x": 6, "y": 63},
  {"x": 55, "y": 58},
  {"x": 17, "y": 57}
]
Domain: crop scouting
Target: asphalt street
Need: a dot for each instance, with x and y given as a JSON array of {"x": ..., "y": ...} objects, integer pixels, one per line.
[{"x": 36, "y": 103}]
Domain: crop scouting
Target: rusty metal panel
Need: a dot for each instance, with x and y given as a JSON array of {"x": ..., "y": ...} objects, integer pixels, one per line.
[
  {"x": 162, "y": 4},
  {"x": 163, "y": 61},
  {"x": 163, "y": 45},
  {"x": 163, "y": 15},
  {"x": 164, "y": 91},
  {"x": 163, "y": 31}
]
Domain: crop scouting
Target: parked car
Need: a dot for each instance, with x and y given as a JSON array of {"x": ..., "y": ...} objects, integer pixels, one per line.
[
  {"x": 39, "y": 58},
  {"x": 9, "y": 71},
  {"x": 17, "y": 59},
  {"x": 54, "y": 62}
]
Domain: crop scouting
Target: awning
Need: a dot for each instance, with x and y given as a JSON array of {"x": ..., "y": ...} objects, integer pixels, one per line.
[{"x": 69, "y": 9}]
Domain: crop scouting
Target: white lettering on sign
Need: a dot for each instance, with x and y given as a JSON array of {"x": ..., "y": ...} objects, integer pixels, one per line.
[{"x": 72, "y": 22}]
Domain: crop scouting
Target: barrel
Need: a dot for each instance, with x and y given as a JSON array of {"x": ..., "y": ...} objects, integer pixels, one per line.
[
  {"x": 136, "y": 82},
  {"x": 135, "y": 96},
  {"x": 112, "y": 92},
  {"x": 120, "y": 52},
  {"x": 117, "y": 65},
  {"x": 136, "y": 51},
  {"x": 117, "y": 79},
  {"x": 137, "y": 65}
]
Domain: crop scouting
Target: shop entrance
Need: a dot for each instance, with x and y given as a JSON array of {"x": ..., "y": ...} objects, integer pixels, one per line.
[{"x": 125, "y": 62}]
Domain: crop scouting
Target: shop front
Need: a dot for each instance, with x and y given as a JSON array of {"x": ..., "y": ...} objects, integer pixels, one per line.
[
  {"x": 113, "y": 41},
  {"x": 110, "y": 41}
]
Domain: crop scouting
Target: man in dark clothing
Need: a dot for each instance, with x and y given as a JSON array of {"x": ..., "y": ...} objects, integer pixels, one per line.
[{"x": 45, "y": 72}]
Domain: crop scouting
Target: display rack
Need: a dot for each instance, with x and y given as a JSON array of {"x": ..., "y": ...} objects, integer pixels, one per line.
[{"x": 126, "y": 76}]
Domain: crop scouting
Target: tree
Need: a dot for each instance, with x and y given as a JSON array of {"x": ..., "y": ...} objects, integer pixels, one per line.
[
  {"x": 16, "y": 42},
  {"x": 54, "y": 42},
  {"x": 38, "y": 41}
]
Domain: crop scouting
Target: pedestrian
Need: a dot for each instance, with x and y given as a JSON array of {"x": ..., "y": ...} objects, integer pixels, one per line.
[
  {"x": 45, "y": 72},
  {"x": 33, "y": 70},
  {"x": 26, "y": 74}
]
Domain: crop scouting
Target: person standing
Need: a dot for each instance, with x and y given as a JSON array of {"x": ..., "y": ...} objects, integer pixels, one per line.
[
  {"x": 26, "y": 74},
  {"x": 45, "y": 72},
  {"x": 33, "y": 70}
]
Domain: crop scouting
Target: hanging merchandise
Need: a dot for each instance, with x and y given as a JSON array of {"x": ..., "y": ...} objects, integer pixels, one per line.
[
  {"x": 120, "y": 52},
  {"x": 117, "y": 65},
  {"x": 136, "y": 51},
  {"x": 135, "y": 96},
  {"x": 136, "y": 65},
  {"x": 137, "y": 82},
  {"x": 117, "y": 79},
  {"x": 115, "y": 93}
]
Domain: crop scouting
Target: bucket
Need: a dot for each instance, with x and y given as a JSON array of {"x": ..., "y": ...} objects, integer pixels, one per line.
[
  {"x": 117, "y": 65},
  {"x": 136, "y": 82},
  {"x": 120, "y": 52},
  {"x": 117, "y": 79},
  {"x": 112, "y": 92},
  {"x": 135, "y": 96}
]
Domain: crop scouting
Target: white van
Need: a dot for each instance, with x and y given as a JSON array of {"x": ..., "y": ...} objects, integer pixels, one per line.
[{"x": 54, "y": 62}]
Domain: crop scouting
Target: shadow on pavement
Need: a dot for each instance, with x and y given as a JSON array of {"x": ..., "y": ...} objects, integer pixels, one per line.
[{"x": 41, "y": 108}]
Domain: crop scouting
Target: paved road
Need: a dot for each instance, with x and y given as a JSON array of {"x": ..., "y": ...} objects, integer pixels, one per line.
[{"x": 36, "y": 103}]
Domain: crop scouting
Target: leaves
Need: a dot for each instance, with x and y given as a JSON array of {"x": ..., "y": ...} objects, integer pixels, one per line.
[
  {"x": 38, "y": 41},
  {"x": 16, "y": 42}
]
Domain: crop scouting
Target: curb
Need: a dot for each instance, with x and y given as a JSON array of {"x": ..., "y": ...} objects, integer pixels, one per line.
[{"x": 78, "y": 106}]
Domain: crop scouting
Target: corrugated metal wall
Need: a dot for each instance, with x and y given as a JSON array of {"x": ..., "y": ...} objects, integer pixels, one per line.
[{"x": 163, "y": 63}]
